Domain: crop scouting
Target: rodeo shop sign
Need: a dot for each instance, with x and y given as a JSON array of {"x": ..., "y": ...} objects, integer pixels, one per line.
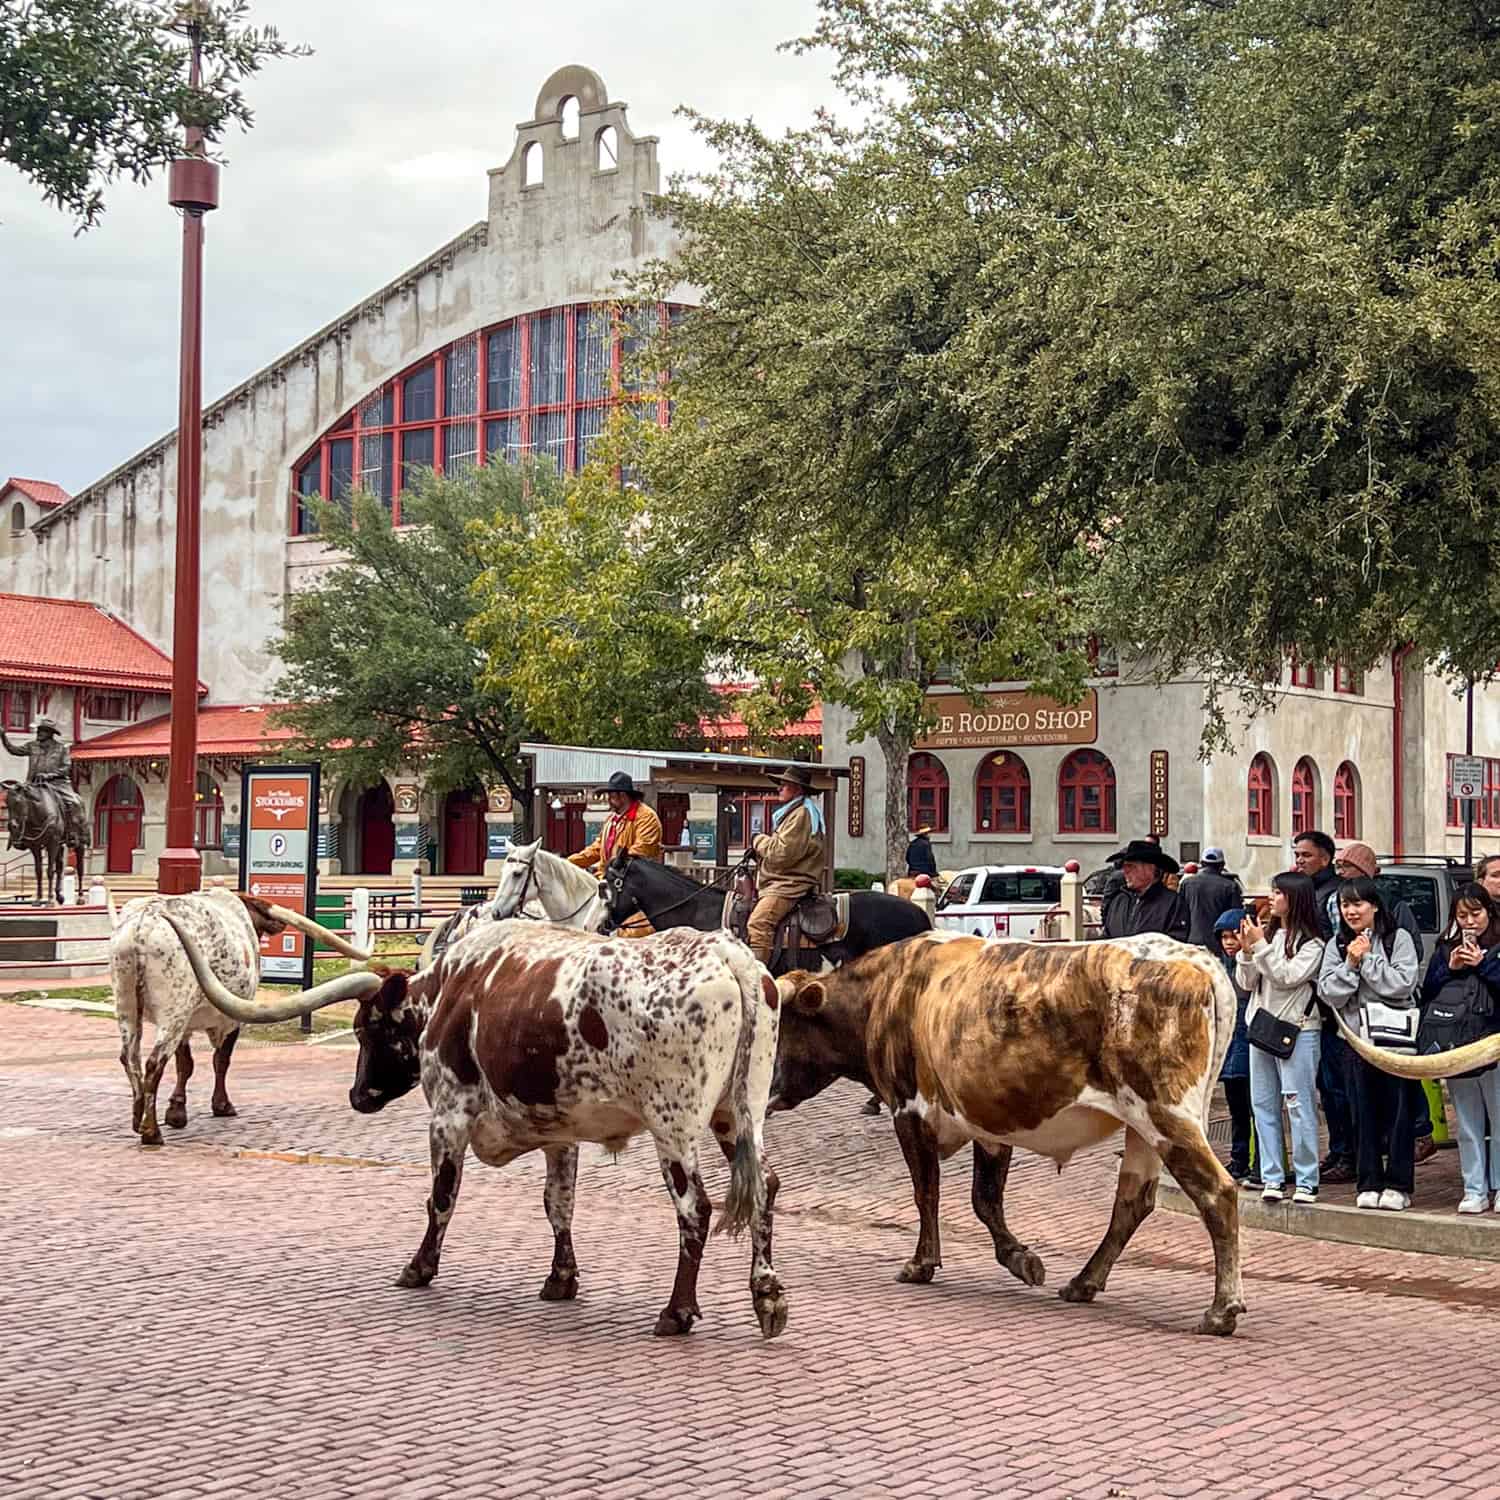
[
  {"x": 1004, "y": 719},
  {"x": 279, "y": 861}
]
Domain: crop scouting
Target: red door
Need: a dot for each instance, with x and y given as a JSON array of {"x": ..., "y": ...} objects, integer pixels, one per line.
[
  {"x": 463, "y": 834},
  {"x": 565, "y": 829},
  {"x": 377, "y": 830},
  {"x": 117, "y": 823},
  {"x": 672, "y": 809}
]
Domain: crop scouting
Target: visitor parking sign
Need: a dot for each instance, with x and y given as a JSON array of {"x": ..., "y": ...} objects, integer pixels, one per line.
[{"x": 278, "y": 859}]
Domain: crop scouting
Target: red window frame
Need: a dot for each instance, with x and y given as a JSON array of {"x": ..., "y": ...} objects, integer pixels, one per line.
[
  {"x": 1002, "y": 794},
  {"x": 373, "y": 438},
  {"x": 927, "y": 792},
  {"x": 1346, "y": 802},
  {"x": 740, "y": 832},
  {"x": 1104, "y": 660},
  {"x": 15, "y": 708},
  {"x": 1304, "y": 674},
  {"x": 100, "y": 702},
  {"x": 208, "y": 813},
  {"x": 1346, "y": 679},
  {"x": 1304, "y": 797},
  {"x": 1086, "y": 793},
  {"x": 1487, "y": 808},
  {"x": 1260, "y": 798}
]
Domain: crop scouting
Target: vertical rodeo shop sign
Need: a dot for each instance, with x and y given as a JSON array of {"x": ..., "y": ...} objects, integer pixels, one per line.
[{"x": 279, "y": 859}]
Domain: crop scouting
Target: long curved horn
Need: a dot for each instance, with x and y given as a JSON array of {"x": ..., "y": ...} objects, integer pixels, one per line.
[
  {"x": 321, "y": 933},
  {"x": 425, "y": 959},
  {"x": 345, "y": 987},
  {"x": 1435, "y": 1065}
]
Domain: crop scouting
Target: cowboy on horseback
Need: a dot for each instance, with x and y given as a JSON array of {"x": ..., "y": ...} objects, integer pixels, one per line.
[
  {"x": 790, "y": 858},
  {"x": 50, "y": 766},
  {"x": 632, "y": 828}
]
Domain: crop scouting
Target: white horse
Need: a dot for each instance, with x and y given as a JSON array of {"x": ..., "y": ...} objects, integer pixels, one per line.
[{"x": 570, "y": 896}]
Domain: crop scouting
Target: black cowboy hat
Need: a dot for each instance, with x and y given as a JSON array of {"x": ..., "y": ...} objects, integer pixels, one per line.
[
  {"x": 797, "y": 776},
  {"x": 1142, "y": 851},
  {"x": 621, "y": 782}
]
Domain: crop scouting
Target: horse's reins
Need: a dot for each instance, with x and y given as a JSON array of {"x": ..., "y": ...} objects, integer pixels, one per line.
[
  {"x": 703, "y": 886},
  {"x": 525, "y": 916}
]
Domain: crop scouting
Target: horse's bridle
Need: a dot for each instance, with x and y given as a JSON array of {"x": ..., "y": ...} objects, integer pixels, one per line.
[
  {"x": 520, "y": 912},
  {"x": 708, "y": 885}
]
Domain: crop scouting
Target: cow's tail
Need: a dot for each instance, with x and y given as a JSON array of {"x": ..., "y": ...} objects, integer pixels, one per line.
[
  {"x": 1221, "y": 1030},
  {"x": 746, "y": 1199}
]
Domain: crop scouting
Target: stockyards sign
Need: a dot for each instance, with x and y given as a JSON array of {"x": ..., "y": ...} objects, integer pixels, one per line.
[
  {"x": 278, "y": 859},
  {"x": 1005, "y": 719}
]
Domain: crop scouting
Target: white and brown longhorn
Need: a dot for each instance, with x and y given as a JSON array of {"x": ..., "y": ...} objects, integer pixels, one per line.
[
  {"x": 527, "y": 1036},
  {"x": 153, "y": 980},
  {"x": 1053, "y": 1047}
]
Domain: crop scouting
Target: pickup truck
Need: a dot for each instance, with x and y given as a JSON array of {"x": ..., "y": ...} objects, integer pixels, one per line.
[{"x": 1006, "y": 901}]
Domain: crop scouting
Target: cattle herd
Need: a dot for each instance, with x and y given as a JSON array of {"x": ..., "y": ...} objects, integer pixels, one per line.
[{"x": 527, "y": 1035}]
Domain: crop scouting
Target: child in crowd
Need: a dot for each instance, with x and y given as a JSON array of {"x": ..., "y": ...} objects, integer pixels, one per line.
[
  {"x": 1278, "y": 964},
  {"x": 1470, "y": 950},
  {"x": 1372, "y": 960},
  {"x": 1235, "y": 1074}
]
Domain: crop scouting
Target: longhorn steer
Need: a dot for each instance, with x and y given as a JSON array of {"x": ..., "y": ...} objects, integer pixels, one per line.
[
  {"x": 528, "y": 1036},
  {"x": 1048, "y": 1046},
  {"x": 153, "y": 981}
]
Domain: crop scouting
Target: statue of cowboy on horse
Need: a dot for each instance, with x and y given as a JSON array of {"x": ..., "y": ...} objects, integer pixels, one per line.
[{"x": 46, "y": 814}]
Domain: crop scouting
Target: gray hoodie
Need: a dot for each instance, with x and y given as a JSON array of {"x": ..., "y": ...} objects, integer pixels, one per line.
[{"x": 1382, "y": 978}]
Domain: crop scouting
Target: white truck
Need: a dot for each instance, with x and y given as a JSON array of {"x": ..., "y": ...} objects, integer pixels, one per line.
[{"x": 1005, "y": 901}]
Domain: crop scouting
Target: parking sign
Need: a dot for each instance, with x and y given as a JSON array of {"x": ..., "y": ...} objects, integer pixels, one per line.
[
  {"x": 279, "y": 859},
  {"x": 1468, "y": 778}
]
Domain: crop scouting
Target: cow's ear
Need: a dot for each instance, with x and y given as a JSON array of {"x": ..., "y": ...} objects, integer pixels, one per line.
[
  {"x": 801, "y": 989},
  {"x": 260, "y": 915}
]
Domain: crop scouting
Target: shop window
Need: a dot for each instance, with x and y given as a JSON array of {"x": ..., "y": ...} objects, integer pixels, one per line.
[
  {"x": 1086, "y": 794},
  {"x": 1002, "y": 794},
  {"x": 1304, "y": 797},
  {"x": 1346, "y": 802},
  {"x": 1260, "y": 808},
  {"x": 927, "y": 793}
]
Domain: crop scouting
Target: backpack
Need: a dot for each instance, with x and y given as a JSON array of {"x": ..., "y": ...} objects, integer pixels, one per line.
[{"x": 1461, "y": 1012}]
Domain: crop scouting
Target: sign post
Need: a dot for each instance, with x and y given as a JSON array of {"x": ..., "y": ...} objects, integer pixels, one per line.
[
  {"x": 1468, "y": 788},
  {"x": 279, "y": 862}
]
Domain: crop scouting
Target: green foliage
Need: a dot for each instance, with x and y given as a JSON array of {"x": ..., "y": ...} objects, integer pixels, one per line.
[
  {"x": 379, "y": 665},
  {"x": 93, "y": 90},
  {"x": 853, "y": 880}
]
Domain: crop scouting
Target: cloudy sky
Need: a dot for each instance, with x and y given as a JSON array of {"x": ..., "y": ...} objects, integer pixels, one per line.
[{"x": 365, "y": 157}]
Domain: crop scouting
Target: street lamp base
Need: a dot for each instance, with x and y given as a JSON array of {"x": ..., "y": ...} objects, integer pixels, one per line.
[{"x": 179, "y": 871}]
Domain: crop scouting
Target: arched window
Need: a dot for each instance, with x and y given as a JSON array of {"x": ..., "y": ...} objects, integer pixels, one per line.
[
  {"x": 607, "y": 149},
  {"x": 541, "y": 385},
  {"x": 1260, "y": 807},
  {"x": 926, "y": 793},
  {"x": 1002, "y": 794},
  {"x": 1304, "y": 796},
  {"x": 1346, "y": 802},
  {"x": 531, "y": 165},
  {"x": 1086, "y": 794},
  {"x": 208, "y": 814},
  {"x": 17, "y": 518},
  {"x": 569, "y": 114}
]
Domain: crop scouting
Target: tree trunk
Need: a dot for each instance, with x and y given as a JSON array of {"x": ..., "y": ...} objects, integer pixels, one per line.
[{"x": 896, "y": 748}]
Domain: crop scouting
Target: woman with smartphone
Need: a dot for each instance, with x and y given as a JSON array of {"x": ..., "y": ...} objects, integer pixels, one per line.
[
  {"x": 1370, "y": 959},
  {"x": 1463, "y": 987},
  {"x": 1277, "y": 964}
]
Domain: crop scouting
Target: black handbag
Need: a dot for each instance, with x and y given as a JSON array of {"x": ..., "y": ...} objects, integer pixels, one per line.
[
  {"x": 1273, "y": 1035},
  {"x": 1461, "y": 1012}
]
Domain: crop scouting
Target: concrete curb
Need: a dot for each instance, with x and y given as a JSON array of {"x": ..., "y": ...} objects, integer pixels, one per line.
[{"x": 1475, "y": 1237}]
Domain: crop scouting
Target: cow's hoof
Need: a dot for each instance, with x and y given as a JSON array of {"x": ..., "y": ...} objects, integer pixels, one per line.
[
  {"x": 151, "y": 1136},
  {"x": 1025, "y": 1265},
  {"x": 559, "y": 1288},
  {"x": 176, "y": 1116},
  {"x": 675, "y": 1320},
  {"x": 770, "y": 1311},
  {"x": 415, "y": 1275},
  {"x": 1221, "y": 1320},
  {"x": 1078, "y": 1290},
  {"x": 917, "y": 1272},
  {"x": 224, "y": 1110}
]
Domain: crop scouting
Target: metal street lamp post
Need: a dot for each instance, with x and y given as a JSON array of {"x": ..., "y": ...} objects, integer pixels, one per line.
[{"x": 193, "y": 189}]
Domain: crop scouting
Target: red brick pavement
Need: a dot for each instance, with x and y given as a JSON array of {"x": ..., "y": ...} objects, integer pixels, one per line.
[{"x": 188, "y": 1322}]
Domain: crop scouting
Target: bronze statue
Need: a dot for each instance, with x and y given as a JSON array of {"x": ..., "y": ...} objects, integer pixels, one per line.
[{"x": 46, "y": 814}]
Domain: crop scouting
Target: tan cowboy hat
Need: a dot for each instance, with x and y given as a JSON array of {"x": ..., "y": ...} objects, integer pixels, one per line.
[
  {"x": 798, "y": 776},
  {"x": 925, "y": 829},
  {"x": 45, "y": 723}
]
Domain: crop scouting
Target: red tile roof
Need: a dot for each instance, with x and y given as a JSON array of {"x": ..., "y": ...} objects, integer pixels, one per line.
[
  {"x": 81, "y": 645},
  {"x": 223, "y": 729},
  {"x": 731, "y": 726},
  {"x": 43, "y": 491}
]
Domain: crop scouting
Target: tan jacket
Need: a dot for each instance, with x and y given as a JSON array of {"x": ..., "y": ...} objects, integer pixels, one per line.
[
  {"x": 791, "y": 857},
  {"x": 637, "y": 830}
]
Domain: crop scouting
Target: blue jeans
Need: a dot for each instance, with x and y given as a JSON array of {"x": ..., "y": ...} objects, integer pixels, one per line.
[
  {"x": 1473, "y": 1099},
  {"x": 1294, "y": 1079}
]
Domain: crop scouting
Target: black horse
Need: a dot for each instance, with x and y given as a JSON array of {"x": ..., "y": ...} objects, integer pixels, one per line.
[
  {"x": 42, "y": 824},
  {"x": 670, "y": 899}
]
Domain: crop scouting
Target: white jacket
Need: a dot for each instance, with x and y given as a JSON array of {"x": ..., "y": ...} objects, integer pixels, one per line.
[{"x": 1280, "y": 984}]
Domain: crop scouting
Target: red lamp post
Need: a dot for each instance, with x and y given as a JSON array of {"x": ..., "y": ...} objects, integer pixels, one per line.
[{"x": 193, "y": 189}]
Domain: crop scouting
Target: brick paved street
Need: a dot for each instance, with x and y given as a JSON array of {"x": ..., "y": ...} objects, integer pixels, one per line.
[{"x": 217, "y": 1318}]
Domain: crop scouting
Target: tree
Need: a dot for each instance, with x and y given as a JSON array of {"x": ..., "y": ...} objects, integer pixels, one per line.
[
  {"x": 94, "y": 90},
  {"x": 379, "y": 667}
]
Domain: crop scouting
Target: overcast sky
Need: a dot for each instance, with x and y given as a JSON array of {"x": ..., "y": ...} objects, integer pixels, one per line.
[{"x": 365, "y": 157}]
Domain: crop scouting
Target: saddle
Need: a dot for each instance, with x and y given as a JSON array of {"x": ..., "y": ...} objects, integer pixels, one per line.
[{"x": 816, "y": 921}]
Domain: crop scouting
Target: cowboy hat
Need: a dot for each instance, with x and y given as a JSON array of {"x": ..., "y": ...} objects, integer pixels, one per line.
[
  {"x": 621, "y": 782},
  {"x": 1143, "y": 852},
  {"x": 45, "y": 723},
  {"x": 923, "y": 831},
  {"x": 798, "y": 776}
]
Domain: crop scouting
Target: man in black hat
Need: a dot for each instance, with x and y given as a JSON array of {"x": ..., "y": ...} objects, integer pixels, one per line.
[
  {"x": 791, "y": 858},
  {"x": 920, "y": 860},
  {"x": 1144, "y": 904},
  {"x": 632, "y": 828}
]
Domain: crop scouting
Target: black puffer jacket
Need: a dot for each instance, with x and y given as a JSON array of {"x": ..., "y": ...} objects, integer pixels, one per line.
[{"x": 1156, "y": 909}]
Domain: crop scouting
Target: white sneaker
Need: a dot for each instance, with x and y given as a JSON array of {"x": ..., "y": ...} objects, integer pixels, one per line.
[
  {"x": 1271, "y": 1193},
  {"x": 1497, "y": 1203},
  {"x": 1305, "y": 1195},
  {"x": 1472, "y": 1204},
  {"x": 1394, "y": 1201},
  {"x": 1367, "y": 1200}
]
